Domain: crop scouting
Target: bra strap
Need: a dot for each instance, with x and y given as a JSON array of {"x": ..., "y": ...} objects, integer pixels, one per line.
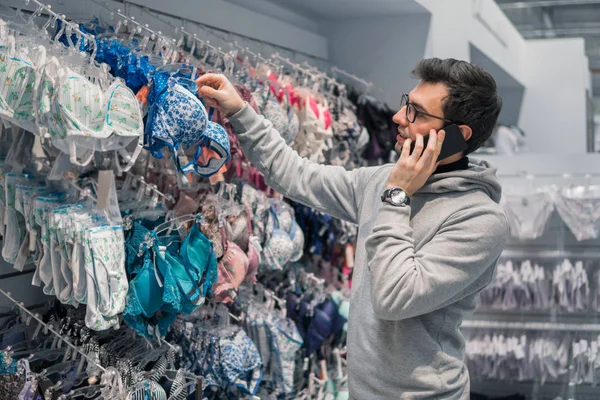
[
  {"x": 130, "y": 159},
  {"x": 275, "y": 218},
  {"x": 73, "y": 156}
]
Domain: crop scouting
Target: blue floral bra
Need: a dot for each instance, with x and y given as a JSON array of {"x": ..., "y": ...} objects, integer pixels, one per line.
[{"x": 178, "y": 120}]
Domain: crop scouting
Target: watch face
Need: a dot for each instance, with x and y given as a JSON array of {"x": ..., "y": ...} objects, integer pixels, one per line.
[{"x": 398, "y": 196}]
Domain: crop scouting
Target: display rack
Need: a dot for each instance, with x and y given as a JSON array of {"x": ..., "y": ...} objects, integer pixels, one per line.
[{"x": 531, "y": 326}]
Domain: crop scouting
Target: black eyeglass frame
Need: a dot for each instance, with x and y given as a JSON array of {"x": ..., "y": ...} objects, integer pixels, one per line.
[{"x": 406, "y": 102}]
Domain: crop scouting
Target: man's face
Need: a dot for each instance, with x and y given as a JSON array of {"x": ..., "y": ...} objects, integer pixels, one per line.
[{"x": 425, "y": 97}]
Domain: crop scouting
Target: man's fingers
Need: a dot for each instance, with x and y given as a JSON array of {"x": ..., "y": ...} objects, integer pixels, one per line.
[
  {"x": 438, "y": 148},
  {"x": 209, "y": 93},
  {"x": 429, "y": 153},
  {"x": 211, "y": 103},
  {"x": 416, "y": 154},
  {"x": 213, "y": 80},
  {"x": 405, "y": 150},
  {"x": 432, "y": 143},
  {"x": 440, "y": 141}
]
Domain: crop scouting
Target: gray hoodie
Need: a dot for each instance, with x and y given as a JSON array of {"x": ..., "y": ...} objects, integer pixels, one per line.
[{"x": 417, "y": 270}]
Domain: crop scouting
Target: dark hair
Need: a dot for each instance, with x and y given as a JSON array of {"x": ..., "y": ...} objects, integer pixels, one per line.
[{"x": 472, "y": 95}]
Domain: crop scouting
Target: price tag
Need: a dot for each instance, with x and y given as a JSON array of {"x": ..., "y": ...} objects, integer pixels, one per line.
[{"x": 105, "y": 183}]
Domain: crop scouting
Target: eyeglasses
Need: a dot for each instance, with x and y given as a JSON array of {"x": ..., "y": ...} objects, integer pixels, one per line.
[{"x": 412, "y": 112}]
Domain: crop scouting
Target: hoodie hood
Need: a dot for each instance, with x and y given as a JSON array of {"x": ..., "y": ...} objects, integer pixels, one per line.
[{"x": 479, "y": 176}]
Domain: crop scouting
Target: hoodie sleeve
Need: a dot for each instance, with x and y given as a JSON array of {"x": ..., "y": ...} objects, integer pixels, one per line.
[
  {"x": 329, "y": 189},
  {"x": 406, "y": 283}
]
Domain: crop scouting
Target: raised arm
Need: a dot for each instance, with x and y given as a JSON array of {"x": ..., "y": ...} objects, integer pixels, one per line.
[{"x": 329, "y": 189}]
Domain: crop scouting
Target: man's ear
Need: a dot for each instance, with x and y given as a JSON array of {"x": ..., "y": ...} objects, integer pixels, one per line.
[{"x": 466, "y": 131}]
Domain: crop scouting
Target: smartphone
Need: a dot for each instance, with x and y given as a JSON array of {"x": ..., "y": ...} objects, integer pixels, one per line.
[{"x": 454, "y": 142}]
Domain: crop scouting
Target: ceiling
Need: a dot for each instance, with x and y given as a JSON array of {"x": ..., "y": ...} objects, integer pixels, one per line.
[
  {"x": 539, "y": 19},
  {"x": 345, "y": 9}
]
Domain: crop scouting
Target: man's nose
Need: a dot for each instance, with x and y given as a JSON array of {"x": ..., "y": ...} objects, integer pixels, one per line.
[{"x": 400, "y": 117}]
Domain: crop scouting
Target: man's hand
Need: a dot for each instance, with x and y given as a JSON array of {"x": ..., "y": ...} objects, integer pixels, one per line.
[
  {"x": 219, "y": 93},
  {"x": 412, "y": 170}
]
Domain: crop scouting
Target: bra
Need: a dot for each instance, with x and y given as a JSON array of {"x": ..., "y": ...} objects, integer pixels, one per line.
[
  {"x": 18, "y": 74},
  {"x": 256, "y": 201},
  {"x": 293, "y": 126},
  {"x": 177, "y": 119},
  {"x": 241, "y": 234},
  {"x": 150, "y": 290},
  {"x": 241, "y": 228},
  {"x": 279, "y": 249},
  {"x": 232, "y": 361},
  {"x": 315, "y": 122},
  {"x": 326, "y": 321},
  {"x": 285, "y": 216},
  {"x": 198, "y": 255},
  {"x": 272, "y": 110},
  {"x": 82, "y": 118},
  {"x": 124, "y": 64},
  {"x": 233, "y": 268}
]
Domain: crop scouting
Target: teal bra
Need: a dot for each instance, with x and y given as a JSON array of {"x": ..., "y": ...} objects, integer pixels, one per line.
[
  {"x": 151, "y": 287},
  {"x": 166, "y": 281},
  {"x": 198, "y": 255}
]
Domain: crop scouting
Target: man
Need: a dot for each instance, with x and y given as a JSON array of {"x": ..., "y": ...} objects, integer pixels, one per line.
[{"x": 419, "y": 262}]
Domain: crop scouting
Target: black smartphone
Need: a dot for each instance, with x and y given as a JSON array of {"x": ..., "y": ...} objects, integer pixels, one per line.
[{"x": 454, "y": 142}]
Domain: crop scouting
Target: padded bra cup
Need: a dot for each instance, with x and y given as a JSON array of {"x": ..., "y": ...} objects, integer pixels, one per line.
[
  {"x": 147, "y": 289},
  {"x": 326, "y": 321},
  {"x": 239, "y": 230},
  {"x": 233, "y": 268},
  {"x": 198, "y": 255},
  {"x": 279, "y": 250},
  {"x": 253, "y": 261}
]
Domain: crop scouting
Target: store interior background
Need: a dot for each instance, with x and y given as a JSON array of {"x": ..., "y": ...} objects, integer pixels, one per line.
[{"x": 544, "y": 55}]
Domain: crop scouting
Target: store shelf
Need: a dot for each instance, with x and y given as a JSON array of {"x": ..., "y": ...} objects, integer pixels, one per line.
[
  {"x": 535, "y": 390},
  {"x": 531, "y": 326}
]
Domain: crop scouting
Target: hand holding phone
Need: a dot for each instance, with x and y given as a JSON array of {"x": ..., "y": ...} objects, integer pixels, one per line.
[
  {"x": 454, "y": 142},
  {"x": 411, "y": 171}
]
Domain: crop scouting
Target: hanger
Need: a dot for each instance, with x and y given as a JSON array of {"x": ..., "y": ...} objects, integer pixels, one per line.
[
  {"x": 110, "y": 388},
  {"x": 27, "y": 26},
  {"x": 176, "y": 223},
  {"x": 186, "y": 380},
  {"x": 47, "y": 328},
  {"x": 141, "y": 359}
]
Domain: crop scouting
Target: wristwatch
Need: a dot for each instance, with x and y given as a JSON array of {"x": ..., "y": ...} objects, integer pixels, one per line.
[{"x": 396, "y": 197}]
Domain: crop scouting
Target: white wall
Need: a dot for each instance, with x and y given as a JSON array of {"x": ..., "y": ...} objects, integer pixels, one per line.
[
  {"x": 548, "y": 164},
  {"x": 280, "y": 27},
  {"x": 509, "y": 88},
  {"x": 233, "y": 18},
  {"x": 554, "y": 107},
  {"x": 382, "y": 50},
  {"x": 277, "y": 11},
  {"x": 458, "y": 23},
  {"x": 555, "y": 73}
]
